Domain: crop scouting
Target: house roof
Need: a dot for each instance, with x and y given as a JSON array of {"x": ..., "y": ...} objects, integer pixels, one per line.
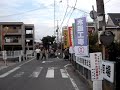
[{"x": 115, "y": 17}]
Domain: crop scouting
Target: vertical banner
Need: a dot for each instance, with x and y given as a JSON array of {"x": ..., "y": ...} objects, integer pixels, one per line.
[
  {"x": 66, "y": 38},
  {"x": 70, "y": 36},
  {"x": 70, "y": 30},
  {"x": 96, "y": 66},
  {"x": 73, "y": 29},
  {"x": 81, "y": 37}
]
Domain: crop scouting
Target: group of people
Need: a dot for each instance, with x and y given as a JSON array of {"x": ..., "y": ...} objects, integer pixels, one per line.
[
  {"x": 45, "y": 53},
  {"x": 41, "y": 53}
]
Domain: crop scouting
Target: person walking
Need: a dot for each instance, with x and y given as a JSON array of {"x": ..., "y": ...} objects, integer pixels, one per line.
[
  {"x": 43, "y": 54},
  {"x": 38, "y": 53}
]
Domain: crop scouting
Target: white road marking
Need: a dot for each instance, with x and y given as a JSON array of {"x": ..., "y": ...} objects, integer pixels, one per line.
[
  {"x": 19, "y": 74},
  {"x": 26, "y": 62},
  {"x": 36, "y": 72},
  {"x": 67, "y": 65},
  {"x": 47, "y": 61},
  {"x": 72, "y": 81},
  {"x": 64, "y": 73},
  {"x": 43, "y": 61},
  {"x": 9, "y": 72},
  {"x": 50, "y": 72}
]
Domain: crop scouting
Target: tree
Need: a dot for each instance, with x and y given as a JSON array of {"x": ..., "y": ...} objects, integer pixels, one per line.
[
  {"x": 93, "y": 43},
  {"x": 48, "y": 40}
]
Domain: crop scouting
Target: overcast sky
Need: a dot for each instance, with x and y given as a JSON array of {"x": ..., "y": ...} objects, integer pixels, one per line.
[{"x": 41, "y": 12}]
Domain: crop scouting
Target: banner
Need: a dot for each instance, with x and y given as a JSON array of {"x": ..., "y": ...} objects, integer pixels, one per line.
[
  {"x": 73, "y": 29},
  {"x": 81, "y": 37},
  {"x": 71, "y": 48},
  {"x": 70, "y": 36},
  {"x": 66, "y": 38}
]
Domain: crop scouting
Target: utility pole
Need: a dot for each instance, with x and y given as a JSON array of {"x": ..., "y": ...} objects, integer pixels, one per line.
[
  {"x": 54, "y": 17},
  {"x": 101, "y": 19}
]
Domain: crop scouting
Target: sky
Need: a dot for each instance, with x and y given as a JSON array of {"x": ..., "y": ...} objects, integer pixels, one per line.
[{"x": 41, "y": 13}]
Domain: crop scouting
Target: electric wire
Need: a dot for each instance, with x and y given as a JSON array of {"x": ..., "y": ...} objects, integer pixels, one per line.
[
  {"x": 21, "y": 12},
  {"x": 71, "y": 13},
  {"x": 107, "y": 1}
]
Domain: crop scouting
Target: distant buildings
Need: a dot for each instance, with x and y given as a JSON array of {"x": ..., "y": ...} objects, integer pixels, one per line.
[{"x": 16, "y": 36}]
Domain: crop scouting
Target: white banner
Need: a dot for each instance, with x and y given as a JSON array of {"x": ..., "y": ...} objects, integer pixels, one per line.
[
  {"x": 81, "y": 50},
  {"x": 108, "y": 70},
  {"x": 96, "y": 66},
  {"x": 71, "y": 50}
]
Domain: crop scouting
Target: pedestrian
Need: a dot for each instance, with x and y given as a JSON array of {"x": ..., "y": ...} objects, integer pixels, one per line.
[
  {"x": 66, "y": 53},
  {"x": 37, "y": 53},
  {"x": 44, "y": 52}
]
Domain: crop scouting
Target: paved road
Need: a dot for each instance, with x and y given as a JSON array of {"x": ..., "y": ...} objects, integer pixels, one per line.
[{"x": 52, "y": 74}]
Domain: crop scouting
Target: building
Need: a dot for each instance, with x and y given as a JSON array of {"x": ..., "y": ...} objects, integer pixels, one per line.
[
  {"x": 16, "y": 36},
  {"x": 113, "y": 24}
]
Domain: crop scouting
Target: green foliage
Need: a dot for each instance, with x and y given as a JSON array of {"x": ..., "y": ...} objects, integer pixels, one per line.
[
  {"x": 93, "y": 43},
  {"x": 48, "y": 40}
]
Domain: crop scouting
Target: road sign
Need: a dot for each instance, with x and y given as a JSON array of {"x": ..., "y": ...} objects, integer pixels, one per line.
[{"x": 93, "y": 14}]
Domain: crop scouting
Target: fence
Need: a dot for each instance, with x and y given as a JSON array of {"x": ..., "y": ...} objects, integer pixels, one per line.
[
  {"x": 30, "y": 54},
  {"x": 11, "y": 54},
  {"x": 83, "y": 66}
]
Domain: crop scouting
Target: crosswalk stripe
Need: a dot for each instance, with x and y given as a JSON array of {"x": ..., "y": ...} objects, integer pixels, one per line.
[
  {"x": 19, "y": 74},
  {"x": 9, "y": 72},
  {"x": 36, "y": 72},
  {"x": 50, "y": 72},
  {"x": 64, "y": 73}
]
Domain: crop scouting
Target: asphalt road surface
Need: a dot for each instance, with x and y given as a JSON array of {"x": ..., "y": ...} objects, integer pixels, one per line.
[{"x": 51, "y": 74}]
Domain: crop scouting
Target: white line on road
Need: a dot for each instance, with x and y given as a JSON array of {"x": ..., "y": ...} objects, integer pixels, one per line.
[
  {"x": 47, "y": 61},
  {"x": 64, "y": 73},
  {"x": 7, "y": 73},
  {"x": 19, "y": 74},
  {"x": 36, "y": 72},
  {"x": 71, "y": 79},
  {"x": 14, "y": 69},
  {"x": 26, "y": 62},
  {"x": 50, "y": 72}
]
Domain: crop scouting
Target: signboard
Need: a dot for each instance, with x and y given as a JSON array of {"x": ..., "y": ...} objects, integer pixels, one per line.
[
  {"x": 96, "y": 66},
  {"x": 108, "y": 70},
  {"x": 66, "y": 38},
  {"x": 84, "y": 61},
  {"x": 81, "y": 37}
]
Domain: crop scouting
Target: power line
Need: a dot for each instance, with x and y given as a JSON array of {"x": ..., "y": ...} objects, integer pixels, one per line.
[
  {"x": 64, "y": 17},
  {"x": 72, "y": 12},
  {"x": 21, "y": 12},
  {"x": 107, "y": 1}
]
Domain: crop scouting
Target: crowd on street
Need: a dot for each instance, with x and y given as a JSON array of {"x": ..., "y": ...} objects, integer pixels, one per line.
[{"x": 44, "y": 54}]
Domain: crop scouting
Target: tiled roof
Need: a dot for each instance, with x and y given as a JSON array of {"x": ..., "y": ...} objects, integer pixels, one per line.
[{"x": 115, "y": 17}]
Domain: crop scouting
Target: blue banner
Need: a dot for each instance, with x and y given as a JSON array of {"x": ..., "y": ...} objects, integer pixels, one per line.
[
  {"x": 81, "y": 37},
  {"x": 81, "y": 34}
]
